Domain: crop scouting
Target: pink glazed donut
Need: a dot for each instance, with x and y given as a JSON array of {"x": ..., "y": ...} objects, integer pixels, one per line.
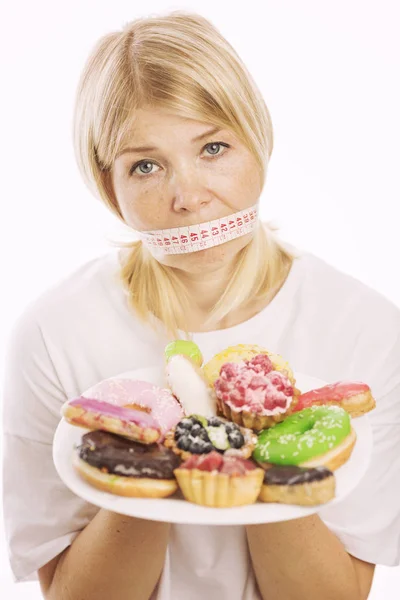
[
  {"x": 354, "y": 396},
  {"x": 137, "y": 410}
]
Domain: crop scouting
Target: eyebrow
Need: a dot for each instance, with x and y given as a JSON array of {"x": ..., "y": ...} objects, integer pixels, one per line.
[{"x": 153, "y": 148}]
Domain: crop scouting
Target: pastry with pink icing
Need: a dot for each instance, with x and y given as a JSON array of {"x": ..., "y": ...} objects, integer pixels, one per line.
[
  {"x": 137, "y": 410},
  {"x": 252, "y": 393},
  {"x": 354, "y": 396}
]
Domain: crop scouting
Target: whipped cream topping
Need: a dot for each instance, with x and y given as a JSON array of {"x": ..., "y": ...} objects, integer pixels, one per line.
[
  {"x": 254, "y": 386},
  {"x": 189, "y": 386}
]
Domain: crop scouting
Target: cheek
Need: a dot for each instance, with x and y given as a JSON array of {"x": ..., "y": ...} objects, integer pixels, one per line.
[
  {"x": 139, "y": 203},
  {"x": 249, "y": 178},
  {"x": 142, "y": 209},
  {"x": 242, "y": 178}
]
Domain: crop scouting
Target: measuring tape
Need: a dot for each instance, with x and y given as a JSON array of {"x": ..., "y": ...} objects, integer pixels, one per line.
[{"x": 182, "y": 240}]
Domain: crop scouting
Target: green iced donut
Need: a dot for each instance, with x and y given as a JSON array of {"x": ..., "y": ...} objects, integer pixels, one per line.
[
  {"x": 184, "y": 347},
  {"x": 300, "y": 437}
]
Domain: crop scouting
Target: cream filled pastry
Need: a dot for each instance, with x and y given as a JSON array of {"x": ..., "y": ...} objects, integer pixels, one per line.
[
  {"x": 188, "y": 384},
  {"x": 185, "y": 347}
]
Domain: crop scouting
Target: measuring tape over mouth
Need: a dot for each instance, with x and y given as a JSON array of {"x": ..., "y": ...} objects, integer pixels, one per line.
[{"x": 182, "y": 240}]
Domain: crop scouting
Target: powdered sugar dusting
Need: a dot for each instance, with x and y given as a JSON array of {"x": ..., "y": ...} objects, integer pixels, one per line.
[
  {"x": 253, "y": 385},
  {"x": 163, "y": 406}
]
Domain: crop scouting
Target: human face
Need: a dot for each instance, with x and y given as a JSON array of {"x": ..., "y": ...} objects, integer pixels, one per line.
[{"x": 184, "y": 181}]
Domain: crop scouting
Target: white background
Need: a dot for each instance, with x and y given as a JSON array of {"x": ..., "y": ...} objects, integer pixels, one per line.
[{"x": 329, "y": 72}]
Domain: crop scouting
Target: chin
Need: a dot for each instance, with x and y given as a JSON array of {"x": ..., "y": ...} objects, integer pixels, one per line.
[{"x": 212, "y": 258}]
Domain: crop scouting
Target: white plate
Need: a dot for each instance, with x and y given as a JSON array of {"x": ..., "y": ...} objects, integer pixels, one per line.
[{"x": 177, "y": 510}]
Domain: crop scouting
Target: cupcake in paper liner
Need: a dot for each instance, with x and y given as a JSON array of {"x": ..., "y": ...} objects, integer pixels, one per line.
[
  {"x": 253, "y": 393},
  {"x": 219, "y": 481},
  {"x": 196, "y": 434}
]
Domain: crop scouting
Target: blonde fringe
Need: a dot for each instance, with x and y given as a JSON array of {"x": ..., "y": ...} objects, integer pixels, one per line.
[{"x": 155, "y": 290}]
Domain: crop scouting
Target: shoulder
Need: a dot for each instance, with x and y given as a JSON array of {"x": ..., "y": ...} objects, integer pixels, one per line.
[
  {"x": 355, "y": 328},
  {"x": 338, "y": 293},
  {"x": 75, "y": 296}
]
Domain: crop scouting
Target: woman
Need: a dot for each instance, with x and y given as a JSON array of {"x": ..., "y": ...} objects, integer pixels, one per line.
[{"x": 171, "y": 131}]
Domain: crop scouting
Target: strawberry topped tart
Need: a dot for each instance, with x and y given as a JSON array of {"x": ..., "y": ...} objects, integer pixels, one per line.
[{"x": 219, "y": 481}]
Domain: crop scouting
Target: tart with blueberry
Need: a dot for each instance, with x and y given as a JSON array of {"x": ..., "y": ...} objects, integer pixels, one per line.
[
  {"x": 219, "y": 481},
  {"x": 201, "y": 435}
]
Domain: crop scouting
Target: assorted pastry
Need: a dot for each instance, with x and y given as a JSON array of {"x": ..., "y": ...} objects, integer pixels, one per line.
[
  {"x": 219, "y": 481},
  {"x": 254, "y": 393},
  {"x": 121, "y": 466},
  {"x": 355, "y": 397},
  {"x": 134, "y": 409},
  {"x": 230, "y": 432},
  {"x": 196, "y": 434}
]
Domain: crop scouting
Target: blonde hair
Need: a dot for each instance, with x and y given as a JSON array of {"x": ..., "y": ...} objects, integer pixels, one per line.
[{"x": 181, "y": 62}]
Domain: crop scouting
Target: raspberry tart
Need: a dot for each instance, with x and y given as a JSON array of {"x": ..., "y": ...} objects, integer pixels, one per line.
[
  {"x": 239, "y": 353},
  {"x": 252, "y": 393},
  {"x": 219, "y": 481}
]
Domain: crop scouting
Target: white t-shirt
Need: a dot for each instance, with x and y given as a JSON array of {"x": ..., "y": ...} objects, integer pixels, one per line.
[{"x": 324, "y": 322}]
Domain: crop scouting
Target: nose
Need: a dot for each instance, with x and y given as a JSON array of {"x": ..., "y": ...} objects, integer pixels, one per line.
[{"x": 189, "y": 194}]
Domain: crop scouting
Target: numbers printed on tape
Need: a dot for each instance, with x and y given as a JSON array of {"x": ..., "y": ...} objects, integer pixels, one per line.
[{"x": 202, "y": 236}]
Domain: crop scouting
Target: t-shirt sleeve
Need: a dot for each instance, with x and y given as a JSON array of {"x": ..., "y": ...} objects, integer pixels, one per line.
[
  {"x": 41, "y": 515},
  {"x": 367, "y": 521}
]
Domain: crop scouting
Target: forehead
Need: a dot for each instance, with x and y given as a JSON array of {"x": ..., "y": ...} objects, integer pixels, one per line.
[{"x": 156, "y": 123}]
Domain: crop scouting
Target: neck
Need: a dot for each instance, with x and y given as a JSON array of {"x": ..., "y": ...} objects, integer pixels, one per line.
[{"x": 206, "y": 288}]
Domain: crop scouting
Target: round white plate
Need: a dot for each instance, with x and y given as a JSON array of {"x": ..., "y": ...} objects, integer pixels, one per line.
[{"x": 177, "y": 510}]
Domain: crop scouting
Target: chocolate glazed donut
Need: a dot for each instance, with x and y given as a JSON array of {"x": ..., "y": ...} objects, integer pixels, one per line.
[
  {"x": 121, "y": 456},
  {"x": 124, "y": 467},
  {"x": 298, "y": 485}
]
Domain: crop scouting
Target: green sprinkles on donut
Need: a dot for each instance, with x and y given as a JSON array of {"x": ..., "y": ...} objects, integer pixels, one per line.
[{"x": 302, "y": 436}]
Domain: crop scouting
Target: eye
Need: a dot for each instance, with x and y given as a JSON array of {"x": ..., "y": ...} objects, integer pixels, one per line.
[
  {"x": 143, "y": 163},
  {"x": 144, "y": 166},
  {"x": 215, "y": 146}
]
